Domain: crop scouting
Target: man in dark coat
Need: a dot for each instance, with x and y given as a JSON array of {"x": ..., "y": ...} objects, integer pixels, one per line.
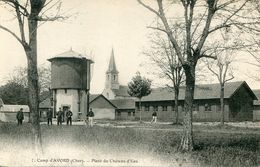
[
  {"x": 69, "y": 115},
  {"x": 49, "y": 117},
  {"x": 19, "y": 116},
  {"x": 59, "y": 116}
]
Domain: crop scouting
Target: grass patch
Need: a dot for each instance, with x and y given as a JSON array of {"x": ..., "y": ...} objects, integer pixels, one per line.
[{"x": 218, "y": 148}]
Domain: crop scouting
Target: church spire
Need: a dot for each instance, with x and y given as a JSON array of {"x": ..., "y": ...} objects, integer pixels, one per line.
[{"x": 112, "y": 64}]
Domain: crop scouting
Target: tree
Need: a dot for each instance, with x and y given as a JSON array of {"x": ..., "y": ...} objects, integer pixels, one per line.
[
  {"x": 19, "y": 76},
  {"x": 221, "y": 68},
  {"x": 163, "y": 56},
  {"x": 139, "y": 87},
  {"x": 14, "y": 93},
  {"x": 30, "y": 13},
  {"x": 201, "y": 21}
]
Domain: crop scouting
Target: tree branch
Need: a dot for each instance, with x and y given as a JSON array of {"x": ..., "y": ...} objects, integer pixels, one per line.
[
  {"x": 156, "y": 28},
  {"x": 12, "y": 33}
]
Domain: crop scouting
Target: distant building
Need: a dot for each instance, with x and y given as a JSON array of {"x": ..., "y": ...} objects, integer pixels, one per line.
[
  {"x": 125, "y": 109},
  {"x": 256, "y": 112},
  {"x": 102, "y": 107},
  {"x": 238, "y": 99},
  {"x": 8, "y": 112},
  {"x": 44, "y": 106},
  {"x": 70, "y": 83}
]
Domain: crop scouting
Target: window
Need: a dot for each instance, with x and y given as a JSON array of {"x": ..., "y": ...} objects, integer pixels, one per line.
[
  {"x": 118, "y": 113},
  {"x": 155, "y": 108},
  {"x": 133, "y": 113},
  {"x": 129, "y": 113},
  {"x": 114, "y": 77},
  {"x": 146, "y": 108},
  {"x": 207, "y": 107},
  {"x": 164, "y": 108}
]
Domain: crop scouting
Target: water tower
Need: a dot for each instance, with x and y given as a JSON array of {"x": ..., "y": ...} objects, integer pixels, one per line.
[{"x": 70, "y": 83}]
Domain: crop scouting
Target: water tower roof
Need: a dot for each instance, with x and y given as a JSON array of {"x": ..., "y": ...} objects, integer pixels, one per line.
[{"x": 71, "y": 54}]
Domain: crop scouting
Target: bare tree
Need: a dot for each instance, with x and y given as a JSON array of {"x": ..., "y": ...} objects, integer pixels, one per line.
[
  {"x": 30, "y": 13},
  {"x": 162, "y": 55},
  {"x": 19, "y": 76},
  {"x": 221, "y": 68},
  {"x": 201, "y": 20}
]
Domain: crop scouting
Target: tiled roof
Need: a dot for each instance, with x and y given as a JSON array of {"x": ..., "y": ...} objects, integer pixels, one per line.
[
  {"x": 122, "y": 91},
  {"x": 93, "y": 97},
  {"x": 124, "y": 103},
  {"x": 71, "y": 54},
  {"x": 203, "y": 91},
  {"x": 257, "y": 93}
]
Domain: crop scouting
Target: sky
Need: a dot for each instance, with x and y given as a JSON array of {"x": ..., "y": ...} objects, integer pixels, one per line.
[{"x": 94, "y": 28}]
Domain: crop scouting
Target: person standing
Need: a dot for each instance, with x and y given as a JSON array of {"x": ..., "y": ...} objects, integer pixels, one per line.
[
  {"x": 59, "y": 117},
  {"x": 49, "y": 117},
  {"x": 69, "y": 115},
  {"x": 20, "y": 117},
  {"x": 91, "y": 117},
  {"x": 154, "y": 119}
]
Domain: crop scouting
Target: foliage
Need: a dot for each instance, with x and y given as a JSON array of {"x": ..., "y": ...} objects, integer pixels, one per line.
[
  {"x": 19, "y": 76},
  {"x": 14, "y": 93},
  {"x": 139, "y": 86}
]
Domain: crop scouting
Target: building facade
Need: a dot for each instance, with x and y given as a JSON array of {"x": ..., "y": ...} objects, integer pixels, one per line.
[
  {"x": 256, "y": 112},
  {"x": 238, "y": 99},
  {"x": 102, "y": 107}
]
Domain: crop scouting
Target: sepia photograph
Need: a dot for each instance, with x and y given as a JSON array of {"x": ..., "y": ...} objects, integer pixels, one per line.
[{"x": 130, "y": 83}]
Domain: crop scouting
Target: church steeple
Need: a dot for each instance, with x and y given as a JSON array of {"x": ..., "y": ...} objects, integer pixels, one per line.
[
  {"x": 112, "y": 73},
  {"x": 112, "y": 64}
]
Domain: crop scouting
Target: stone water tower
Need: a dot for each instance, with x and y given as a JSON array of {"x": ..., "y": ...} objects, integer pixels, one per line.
[{"x": 70, "y": 83}]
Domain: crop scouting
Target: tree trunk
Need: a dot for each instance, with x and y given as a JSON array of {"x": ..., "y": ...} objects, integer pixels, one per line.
[
  {"x": 33, "y": 86},
  {"x": 176, "y": 104},
  {"x": 187, "y": 136},
  {"x": 140, "y": 111},
  {"x": 222, "y": 106}
]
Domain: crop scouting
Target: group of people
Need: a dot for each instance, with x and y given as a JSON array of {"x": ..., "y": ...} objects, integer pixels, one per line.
[
  {"x": 60, "y": 115},
  {"x": 69, "y": 114}
]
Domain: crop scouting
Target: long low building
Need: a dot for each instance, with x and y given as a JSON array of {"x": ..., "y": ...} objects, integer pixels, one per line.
[{"x": 238, "y": 99}]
